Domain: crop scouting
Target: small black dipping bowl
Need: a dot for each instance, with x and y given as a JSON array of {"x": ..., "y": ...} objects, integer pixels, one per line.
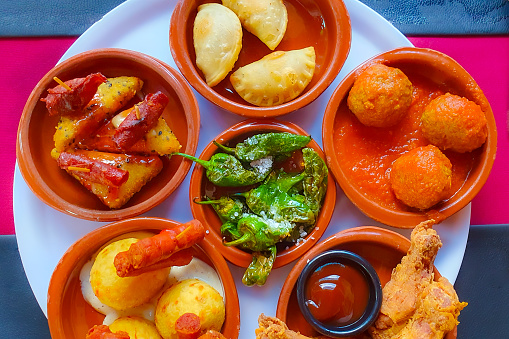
[{"x": 374, "y": 286}]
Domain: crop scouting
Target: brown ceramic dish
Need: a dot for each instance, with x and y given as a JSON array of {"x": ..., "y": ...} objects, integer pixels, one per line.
[
  {"x": 70, "y": 316},
  {"x": 430, "y": 71},
  {"x": 35, "y": 134},
  {"x": 200, "y": 186},
  {"x": 323, "y": 24},
  {"x": 382, "y": 248}
]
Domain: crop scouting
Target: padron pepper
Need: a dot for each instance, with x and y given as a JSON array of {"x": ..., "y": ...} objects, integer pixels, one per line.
[
  {"x": 226, "y": 170},
  {"x": 260, "y": 267},
  {"x": 271, "y": 199},
  {"x": 267, "y": 144},
  {"x": 315, "y": 181},
  {"x": 227, "y": 209},
  {"x": 259, "y": 234},
  {"x": 229, "y": 229}
]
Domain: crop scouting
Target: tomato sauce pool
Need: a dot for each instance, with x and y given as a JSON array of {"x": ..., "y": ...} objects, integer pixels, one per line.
[
  {"x": 367, "y": 153},
  {"x": 337, "y": 294}
]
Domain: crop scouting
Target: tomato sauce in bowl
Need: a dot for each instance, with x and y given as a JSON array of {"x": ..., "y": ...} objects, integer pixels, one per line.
[
  {"x": 368, "y": 152},
  {"x": 360, "y": 157}
]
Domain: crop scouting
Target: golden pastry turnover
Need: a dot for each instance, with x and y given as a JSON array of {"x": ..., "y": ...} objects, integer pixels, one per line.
[
  {"x": 276, "y": 78},
  {"x": 217, "y": 36},
  {"x": 266, "y": 19}
]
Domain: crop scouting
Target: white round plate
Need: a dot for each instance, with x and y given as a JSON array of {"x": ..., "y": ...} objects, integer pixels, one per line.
[{"x": 44, "y": 234}]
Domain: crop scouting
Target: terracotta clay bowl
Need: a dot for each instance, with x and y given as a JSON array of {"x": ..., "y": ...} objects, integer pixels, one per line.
[
  {"x": 323, "y": 24},
  {"x": 382, "y": 248},
  {"x": 200, "y": 186},
  {"x": 350, "y": 145},
  {"x": 70, "y": 316},
  {"x": 58, "y": 189}
]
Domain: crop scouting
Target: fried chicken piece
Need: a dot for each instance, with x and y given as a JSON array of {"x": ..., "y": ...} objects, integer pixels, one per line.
[
  {"x": 274, "y": 328},
  {"x": 414, "y": 306},
  {"x": 410, "y": 277},
  {"x": 437, "y": 313}
]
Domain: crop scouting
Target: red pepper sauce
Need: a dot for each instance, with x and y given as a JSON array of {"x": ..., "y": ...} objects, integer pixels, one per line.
[
  {"x": 337, "y": 294},
  {"x": 367, "y": 153}
]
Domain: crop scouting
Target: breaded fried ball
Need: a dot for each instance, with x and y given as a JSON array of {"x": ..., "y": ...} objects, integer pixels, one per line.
[
  {"x": 123, "y": 293},
  {"x": 189, "y": 296},
  {"x": 453, "y": 122},
  {"x": 136, "y": 327},
  {"x": 380, "y": 96},
  {"x": 421, "y": 177}
]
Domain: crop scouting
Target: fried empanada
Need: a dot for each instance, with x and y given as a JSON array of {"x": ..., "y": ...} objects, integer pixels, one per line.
[
  {"x": 276, "y": 78},
  {"x": 267, "y": 19},
  {"x": 217, "y": 37}
]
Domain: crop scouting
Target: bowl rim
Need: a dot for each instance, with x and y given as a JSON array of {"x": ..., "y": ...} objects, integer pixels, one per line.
[
  {"x": 362, "y": 266},
  {"x": 100, "y": 236},
  {"x": 407, "y": 219},
  {"x": 372, "y": 234},
  {"x": 47, "y": 195},
  {"x": 343, "y": 32},
  {"x": 232, "y": 254}
]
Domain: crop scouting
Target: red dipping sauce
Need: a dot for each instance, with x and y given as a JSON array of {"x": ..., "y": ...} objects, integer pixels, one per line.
[{"x": 337, "y": 294}]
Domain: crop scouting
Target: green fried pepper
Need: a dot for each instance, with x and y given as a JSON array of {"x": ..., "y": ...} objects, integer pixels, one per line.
[
  {"x": 258, "y": 234},
  {"x": 266, "y": 144},
  {"x": 271, "y": 199},
  {"x": 229, "y": 229},
  {"x": 226, "y": 170},
  {"x": 228, "y": 209},
  {"x": 260, "y": 267},
  {"x": 314, "y": 183}
]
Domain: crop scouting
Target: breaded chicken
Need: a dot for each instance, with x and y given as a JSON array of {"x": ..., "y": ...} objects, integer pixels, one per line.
[
  {"x": 274, "y": 328},
  {"x": 414, "y": 305},
  {"x": 412, "y": 275},
  {"x": 437, "y": 312}
]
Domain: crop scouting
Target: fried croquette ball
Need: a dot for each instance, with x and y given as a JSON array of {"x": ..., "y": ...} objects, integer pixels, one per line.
[
  {"x": 421, "y": 177},
  {"x": 189, "y": 296},
  {"x": 123, "y": 293},
  {"x": 453, "y": 122},
  {"x": 136, "y": 327},
  {"x": 380, "y": 96}
]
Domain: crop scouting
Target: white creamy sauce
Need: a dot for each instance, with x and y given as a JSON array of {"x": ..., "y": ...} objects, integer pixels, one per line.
[{"x": 196, "y": 269}]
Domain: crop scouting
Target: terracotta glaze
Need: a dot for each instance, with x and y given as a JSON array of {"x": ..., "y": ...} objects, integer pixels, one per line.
[
  {"x": 70, "y": 316},
  {"x": 382, "y": 248},
  {"x": 200, "y": 186},
  {"x": 36, "y": 128},
  {"x": 361, "y": 157},
  {"x": 323, "y": 24}
]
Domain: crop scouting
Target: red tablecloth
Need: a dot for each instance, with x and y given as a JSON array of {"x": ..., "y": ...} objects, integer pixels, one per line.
[{"x": 25, "y": 61}]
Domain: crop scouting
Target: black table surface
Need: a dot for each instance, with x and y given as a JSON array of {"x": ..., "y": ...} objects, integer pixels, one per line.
[
  {"x": 412, "y": 17},
  {"x": 482, "y": 280}
]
